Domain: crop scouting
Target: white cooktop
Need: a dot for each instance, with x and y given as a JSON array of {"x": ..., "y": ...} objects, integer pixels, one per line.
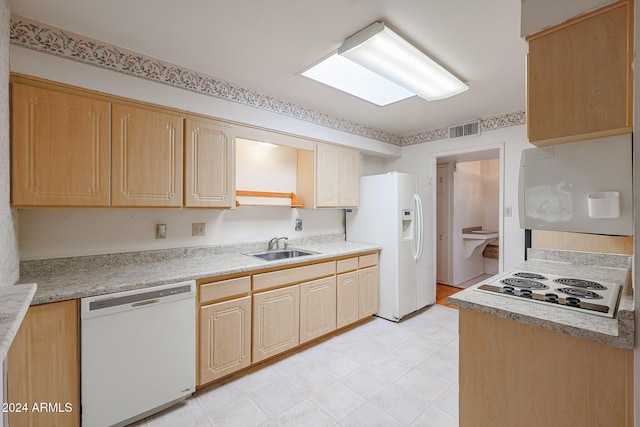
[{"x": 565, "y": 292}]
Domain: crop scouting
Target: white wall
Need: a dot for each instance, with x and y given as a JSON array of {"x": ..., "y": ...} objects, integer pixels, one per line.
[
  {"x": 491, "y": 193},
  {"x": 415, "y": 159},
  {"x": 8, "y": 219},
  {"x": 468, "y": 211},
  {"x": 265, "y": 167},
  {"x": 76, "y": 232},
  {"x": 475, "y": 203},
  {"x": 537, "y": 15},
  {"x": 372, "y": 165}
]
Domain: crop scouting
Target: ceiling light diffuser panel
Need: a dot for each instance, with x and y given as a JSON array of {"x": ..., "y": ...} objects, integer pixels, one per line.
[
  {"x": 341, "y": 73},
  {"x": 378, "y": 65},
  {"x": 383, "y": 51}
]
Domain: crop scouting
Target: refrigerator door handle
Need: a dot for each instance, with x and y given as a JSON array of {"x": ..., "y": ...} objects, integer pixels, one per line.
[
  {"x": 419, "y": 227},
  {"x": 416, "y": 230}
]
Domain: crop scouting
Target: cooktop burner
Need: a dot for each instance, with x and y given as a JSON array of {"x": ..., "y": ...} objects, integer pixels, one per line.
[
  {"x": 579, "y": 283},
  {"x": 580, "y": 293},
  {"x": 527, "y": 275},
  {"x": 523, "y": 283},
  {"x": 575, "y": 294}
]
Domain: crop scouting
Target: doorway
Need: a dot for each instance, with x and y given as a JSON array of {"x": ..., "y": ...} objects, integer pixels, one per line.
[{"x": 468, "y": 196}]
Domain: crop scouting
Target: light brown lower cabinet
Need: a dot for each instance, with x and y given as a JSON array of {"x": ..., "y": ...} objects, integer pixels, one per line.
[
  {"x": 347, "y": 299},
  {"x": 512, "y": 374},
  {"x": 248, "y": 319},
  {"x": 43, "y": 372},
  {"x": 225, "y": 338},
  {"x": 368, "y": 291},
  {"x": 317, "y": 308},
  {"x": 276, "y": 322}
]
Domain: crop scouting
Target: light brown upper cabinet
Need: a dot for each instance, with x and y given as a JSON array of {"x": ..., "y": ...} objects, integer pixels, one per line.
[
  {"x": 349, "y": 185},
  {"x": 209, "y": 164},
  {"x": 59, "y": 148},
  {"x": 147, "y": 157},
  {"x": 579, "y": 77},
  {"x": 337, "y": 177}
]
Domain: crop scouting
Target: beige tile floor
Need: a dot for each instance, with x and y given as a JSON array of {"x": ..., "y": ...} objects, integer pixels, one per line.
[{"x": 377, "y": 374}]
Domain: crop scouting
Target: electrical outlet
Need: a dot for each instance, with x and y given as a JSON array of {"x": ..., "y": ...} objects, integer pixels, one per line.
[
  {"x": 508, "y": 211},
  {"x": 197, "y": 229},
  {"x": 161, "y": 231}
]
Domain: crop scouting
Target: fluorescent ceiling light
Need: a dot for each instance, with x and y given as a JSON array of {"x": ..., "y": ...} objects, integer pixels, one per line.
[
  {"x": 384, "y": 52},
  {"x": 341, "y": 73}
]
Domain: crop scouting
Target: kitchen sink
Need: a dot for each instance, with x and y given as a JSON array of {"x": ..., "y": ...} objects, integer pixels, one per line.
[{"x": 280, "y": 254}]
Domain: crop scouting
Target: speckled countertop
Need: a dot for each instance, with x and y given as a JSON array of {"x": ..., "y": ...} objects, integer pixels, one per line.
[
  {"x": 70, "y": 278},
  {"x": 618, "y": 332},
  {"x": 14, "y": 302}
]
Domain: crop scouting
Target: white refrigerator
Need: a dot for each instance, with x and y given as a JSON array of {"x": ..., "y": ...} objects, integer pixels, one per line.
[{"x": 396, "y": 212}]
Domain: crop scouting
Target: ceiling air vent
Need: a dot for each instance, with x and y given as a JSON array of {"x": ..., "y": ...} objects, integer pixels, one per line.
[{"x": 467, "y": 129}]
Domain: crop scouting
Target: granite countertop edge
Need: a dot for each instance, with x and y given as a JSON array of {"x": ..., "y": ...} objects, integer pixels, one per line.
[
  {"x": 14, "y": 303},
  {"x": 618, "y": 331},
  {"x": 624, "y": 322},
  {"x": 64, "y": 286}
]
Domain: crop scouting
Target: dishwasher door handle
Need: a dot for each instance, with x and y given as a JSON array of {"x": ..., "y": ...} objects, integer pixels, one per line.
[{"x": 142, "y": 303}]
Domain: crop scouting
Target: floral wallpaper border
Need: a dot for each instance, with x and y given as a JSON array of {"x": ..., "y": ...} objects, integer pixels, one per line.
[
  {"x": 492, "y": 123},
  {"x": 44, "y": 38}
]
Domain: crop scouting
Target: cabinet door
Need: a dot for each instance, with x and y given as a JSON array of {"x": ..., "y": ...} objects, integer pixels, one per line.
[
  {"x": 317, "y": 308},
  {"x": 327, "y": 175},
  {"x": 209, "y": 164},
  {"x": 43, "y": 365},
  {"x": 579, "y": 77},
  {"x": 59, "y": 147},
  {"x": 225, "y": 338},
  {"x": 368, "y": 291},
  {"x": 349, "y": 185},
  {"x": 347, "y": 299},
  {"x": 276, "y": 322},
  {"x": 147, "y": 157}
]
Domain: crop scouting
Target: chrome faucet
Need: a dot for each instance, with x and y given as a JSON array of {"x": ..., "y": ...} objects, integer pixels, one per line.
[
  {"x": 285, "y": 243},
  {"x": 274, "y": 244}
]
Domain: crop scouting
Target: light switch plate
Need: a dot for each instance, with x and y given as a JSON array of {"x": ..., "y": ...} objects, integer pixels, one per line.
[{"x": 161, "y": 231}]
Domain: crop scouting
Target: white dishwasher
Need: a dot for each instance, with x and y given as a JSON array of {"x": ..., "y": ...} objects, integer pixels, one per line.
[{"x": 137, "y": 353}]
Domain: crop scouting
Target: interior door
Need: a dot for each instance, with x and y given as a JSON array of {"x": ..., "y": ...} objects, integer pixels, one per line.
[{"x": 443, "y": 189}]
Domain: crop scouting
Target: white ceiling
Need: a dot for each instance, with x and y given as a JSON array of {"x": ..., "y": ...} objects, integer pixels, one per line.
[{"x": 263, "y": 44}]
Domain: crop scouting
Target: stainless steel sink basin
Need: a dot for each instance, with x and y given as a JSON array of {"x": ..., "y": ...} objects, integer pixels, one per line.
[{"x": 280, "y": 254}]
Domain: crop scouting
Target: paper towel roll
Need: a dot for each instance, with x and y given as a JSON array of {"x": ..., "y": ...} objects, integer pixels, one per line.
[{"x": 604, "y": 204}]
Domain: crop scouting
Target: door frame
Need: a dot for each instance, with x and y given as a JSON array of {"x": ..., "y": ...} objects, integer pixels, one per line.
[{"x": 465, "y": 152}]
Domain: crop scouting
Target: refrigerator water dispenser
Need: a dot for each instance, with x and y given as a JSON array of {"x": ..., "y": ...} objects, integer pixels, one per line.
[{"x": 407, "y": 224}]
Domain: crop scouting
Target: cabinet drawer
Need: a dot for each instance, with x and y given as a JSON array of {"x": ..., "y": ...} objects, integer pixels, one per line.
[
  {"x": 368, "y": 260},
  {"x": 293, "y": 275},
  {"x": 224, "y": 289},
  {"x": 344, "y": 265}
]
